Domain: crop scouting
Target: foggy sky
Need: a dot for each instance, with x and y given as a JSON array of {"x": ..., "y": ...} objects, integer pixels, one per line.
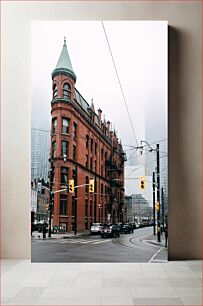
[{"x": 140, "y": 53}]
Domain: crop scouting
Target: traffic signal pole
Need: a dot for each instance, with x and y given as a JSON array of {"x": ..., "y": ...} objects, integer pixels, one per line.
[
  {"x": 51, "y": 200},
  {"x": 154, "y": 213},
  {"x": 162, "y": 206},
  {"x": 158, "y": 195}
]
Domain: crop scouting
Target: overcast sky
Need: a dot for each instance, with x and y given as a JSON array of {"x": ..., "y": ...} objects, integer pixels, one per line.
[{"x": 140, "y": 53}]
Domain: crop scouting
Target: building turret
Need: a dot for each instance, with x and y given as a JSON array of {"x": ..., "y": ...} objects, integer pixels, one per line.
[
  {"x": 63, "y": 77},
  {"x": 64, "y": 65}
]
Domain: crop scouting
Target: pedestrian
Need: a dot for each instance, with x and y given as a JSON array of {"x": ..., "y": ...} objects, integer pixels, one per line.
[
  {"x": 44, "y": 229},
  {"x": 166, "y": 235}
]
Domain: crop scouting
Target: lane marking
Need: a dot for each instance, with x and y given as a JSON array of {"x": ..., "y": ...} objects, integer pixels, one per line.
[
  {"x": 152, "y": 258},
  {"x": 101, "y": 241},
  {"x": 84, "y": 241}
]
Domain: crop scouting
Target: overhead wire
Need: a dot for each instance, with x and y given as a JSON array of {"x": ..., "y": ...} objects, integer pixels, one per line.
[{"x": 119, "y": 81}]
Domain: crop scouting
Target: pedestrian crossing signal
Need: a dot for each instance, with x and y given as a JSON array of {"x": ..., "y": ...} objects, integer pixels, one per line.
[
  {"x": 91, "y": 185},
  {"x": 142, "y": 182},
  {"x": 71, "y": 186}
]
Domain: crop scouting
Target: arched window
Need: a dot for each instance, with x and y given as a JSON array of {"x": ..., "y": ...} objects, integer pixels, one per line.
[
  {"x": 66, "y": 91},
  {"x": 55, "y": 91}
]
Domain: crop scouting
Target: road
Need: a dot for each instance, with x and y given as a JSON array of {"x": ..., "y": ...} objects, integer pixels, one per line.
[{"x": 88, "y": 248}]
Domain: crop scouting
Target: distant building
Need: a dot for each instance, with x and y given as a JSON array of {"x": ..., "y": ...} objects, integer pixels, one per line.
[
  {"x": 83, "y": 146},
  {"x": 34, "y": 197},
  {"x": 39, "y": 200},
  {"x": 42, "y": 207},
  {"x": 128, "y": 208},
  {"x": 40, "y": 150},
  {"x": 140, "y": 207}
]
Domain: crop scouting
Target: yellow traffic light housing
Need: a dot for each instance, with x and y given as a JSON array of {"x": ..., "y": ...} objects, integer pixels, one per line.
[
  {"x": 71, "y": 186},
  {"x": 142, "y": 182},
  {"x": 91, "y": 185},
  {"x": 157, "y": 206}
]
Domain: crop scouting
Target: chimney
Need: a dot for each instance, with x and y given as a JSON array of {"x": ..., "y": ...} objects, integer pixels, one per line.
[
  {"x": 99, "y": 116},
  {"x": 108, "y": 127}
]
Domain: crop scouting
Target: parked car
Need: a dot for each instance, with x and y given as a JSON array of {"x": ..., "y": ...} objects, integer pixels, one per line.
[
  {"x": 119, "y": 226},
  {"x": 133, "y": 224},
  {"x": 110, "y": 230},
  {"x": 126, "y": 228},
  {"x": 96, "y": 228}
]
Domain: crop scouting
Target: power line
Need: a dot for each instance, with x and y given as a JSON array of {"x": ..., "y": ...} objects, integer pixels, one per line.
[
  {"x": 153, "y": 161},
  {"x": 124, "y": 99},
  {"x": 158, "y": 141}
]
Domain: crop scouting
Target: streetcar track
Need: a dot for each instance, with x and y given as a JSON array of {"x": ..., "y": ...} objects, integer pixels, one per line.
[{"x": 135, "y": 240}]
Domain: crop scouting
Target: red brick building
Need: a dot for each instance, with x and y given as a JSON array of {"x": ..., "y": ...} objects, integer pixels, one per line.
[{"x": 83, "y": 146}]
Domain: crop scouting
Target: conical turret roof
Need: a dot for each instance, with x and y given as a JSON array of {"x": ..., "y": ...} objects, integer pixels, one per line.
[{"x": 64, "y": 65}]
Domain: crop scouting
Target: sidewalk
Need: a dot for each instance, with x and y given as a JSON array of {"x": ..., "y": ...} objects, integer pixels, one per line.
[
  {"x": 162, "y": 253},
  {"x": 36, "y": 235},
  {"x": 152, "y": 239}
]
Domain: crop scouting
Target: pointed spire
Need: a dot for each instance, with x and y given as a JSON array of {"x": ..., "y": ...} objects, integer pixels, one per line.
[{"x": 64, "y": 65}]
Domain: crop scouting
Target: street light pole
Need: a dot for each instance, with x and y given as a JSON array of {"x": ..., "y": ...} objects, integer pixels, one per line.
[
  {"x": 51, "y": 199},
  {"x": 162, "y": 206},
  {"x": 158, "y": 195},
  {"x": 154, "y": 214},
  {"x": 158, "y": 186}
]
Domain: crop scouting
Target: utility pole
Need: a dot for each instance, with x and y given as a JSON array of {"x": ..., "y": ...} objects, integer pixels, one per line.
[
  {"x": 51, "y": 196},
  {"x": 154, "y": 214},
  {"x": 158, "y": 195},
  {"x": 162, "y": 206}
]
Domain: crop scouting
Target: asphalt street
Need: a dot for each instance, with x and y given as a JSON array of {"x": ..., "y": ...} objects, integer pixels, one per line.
[{"x": 87, "y": 248}]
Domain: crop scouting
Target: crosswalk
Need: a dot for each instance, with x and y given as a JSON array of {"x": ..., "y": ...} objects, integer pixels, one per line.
[{"x": 84, "y": 241}]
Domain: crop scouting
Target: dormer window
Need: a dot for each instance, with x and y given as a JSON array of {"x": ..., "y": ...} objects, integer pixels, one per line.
[
  {"x": 55, "y": 91},
  {"x": 66, "y": 91}
]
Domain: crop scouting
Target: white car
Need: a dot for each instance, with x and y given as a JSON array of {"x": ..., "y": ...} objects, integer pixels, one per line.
[{"x": 96, "y": 228}]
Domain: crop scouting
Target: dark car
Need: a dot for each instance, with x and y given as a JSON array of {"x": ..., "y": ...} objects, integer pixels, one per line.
[
  {"x": 127, "y": 228},
  {"x": 119, "y": 225},
  {"x": 110, "y": 230},
  {"x": 133, "y": 225}
]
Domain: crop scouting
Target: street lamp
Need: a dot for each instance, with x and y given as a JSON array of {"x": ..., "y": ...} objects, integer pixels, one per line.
[{"x": 158, "y": 187}]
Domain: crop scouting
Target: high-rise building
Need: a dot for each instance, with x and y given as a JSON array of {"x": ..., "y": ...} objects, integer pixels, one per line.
[
  {"x": 40, "y": 150},
  {"x": 83, "y": 147}
]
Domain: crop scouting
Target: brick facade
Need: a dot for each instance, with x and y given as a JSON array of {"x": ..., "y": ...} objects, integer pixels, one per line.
[{"x": 91, "y": 150}]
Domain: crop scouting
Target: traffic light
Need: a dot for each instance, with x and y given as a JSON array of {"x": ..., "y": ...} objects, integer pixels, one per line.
[
  {"x": 91, "y": 185},
  {"x": 142, "y": 182},
  {"x": 157, "y": 206},
  {"x": 52, "y": 196},
  {"x": 71, "y": 186}
]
